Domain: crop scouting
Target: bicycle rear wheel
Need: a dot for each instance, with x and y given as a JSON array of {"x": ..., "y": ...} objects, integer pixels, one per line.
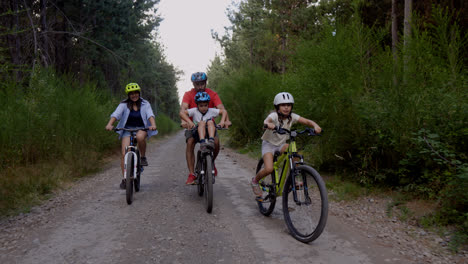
[
  {"x": 208, "y": 183},
  {"x": 198, "y": 168},
  {"x": 129, "y": 177},
  {"x": 267, "y": 184},
  {"x": 306, "y": 218}
]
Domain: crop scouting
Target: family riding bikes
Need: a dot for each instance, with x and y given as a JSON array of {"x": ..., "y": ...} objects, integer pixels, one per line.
[{"x": 280, "y": 172}]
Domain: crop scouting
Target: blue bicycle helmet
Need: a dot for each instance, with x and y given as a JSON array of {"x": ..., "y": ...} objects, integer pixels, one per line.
[
  {"x": 199, "y": 77},
  {"x": 202, "y": 97}
]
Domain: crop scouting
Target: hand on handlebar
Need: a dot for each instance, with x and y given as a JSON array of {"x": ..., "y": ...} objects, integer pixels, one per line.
[
  {"x": 153, "y": 128},
  {"x": 317, "y": 129},
  {"x": 269, "y": 126},
  {"x": 109, "y": 127}
]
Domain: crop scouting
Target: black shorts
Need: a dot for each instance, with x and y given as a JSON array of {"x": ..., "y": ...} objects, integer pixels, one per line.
[{"x": 193, "y": 133}]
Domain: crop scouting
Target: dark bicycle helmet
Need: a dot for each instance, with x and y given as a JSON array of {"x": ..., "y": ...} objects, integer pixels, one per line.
[
  {"x": 199, "y": 77},
  {"x": 202, "y": 97}
]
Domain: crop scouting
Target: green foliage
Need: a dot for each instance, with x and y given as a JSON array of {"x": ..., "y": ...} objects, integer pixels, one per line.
[
  {"x": 53, "y": 131},
  {"x": 248, "y": 99},
  {"x": 340, "y": 190},
  {"x": 393, "y": 119},
  {"x": 166, "y": 125}
]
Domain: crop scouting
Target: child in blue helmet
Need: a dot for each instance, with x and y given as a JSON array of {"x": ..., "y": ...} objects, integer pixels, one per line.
[{"x": 203, "y": 117}]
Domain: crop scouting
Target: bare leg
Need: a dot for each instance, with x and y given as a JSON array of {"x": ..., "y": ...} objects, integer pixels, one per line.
[
  {"x": 268, "y": 166},
  {"x": 211, "y": 128},
  {"x": 201, "y": 129},
  {"x": 189, "y": 155},
  {"x": 125, "y": 143},
  {"x": 141, "y": 139},
  {"x": 216, "y": 148}
]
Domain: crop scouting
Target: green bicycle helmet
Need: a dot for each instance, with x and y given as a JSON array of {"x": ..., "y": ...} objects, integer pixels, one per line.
[{"x": 132, "y": 87}]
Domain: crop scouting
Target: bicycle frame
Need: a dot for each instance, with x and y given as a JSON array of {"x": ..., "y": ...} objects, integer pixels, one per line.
[
  {"x": 288, "y": 165},
  {"x": 132, "y": 149}
]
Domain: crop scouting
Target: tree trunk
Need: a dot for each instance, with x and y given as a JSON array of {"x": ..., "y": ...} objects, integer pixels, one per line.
[
  {"x": 407, "y": 32},
  {"x": 394, "y": 40},
  {"x": 45, "y": 41}
]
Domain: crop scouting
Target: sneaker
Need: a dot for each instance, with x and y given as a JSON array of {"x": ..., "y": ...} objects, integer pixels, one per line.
[
  {"x": 204, "y": 146},
  {"x": 211, "y": 143},
  {"x": 143, "y": 161},
  {"x": 123, "y": 184},
  {"x": 191, "y": 179},
  {"x": 256, "y": 188}
]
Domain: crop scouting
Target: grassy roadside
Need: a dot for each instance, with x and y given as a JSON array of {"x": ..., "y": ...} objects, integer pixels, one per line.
[
  {"x": 24, "y": 187},
  {"x": 52, "y": 134}
]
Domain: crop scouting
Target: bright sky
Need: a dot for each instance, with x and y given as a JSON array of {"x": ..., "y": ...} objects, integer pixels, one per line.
[{"x": 185, "y": 34}]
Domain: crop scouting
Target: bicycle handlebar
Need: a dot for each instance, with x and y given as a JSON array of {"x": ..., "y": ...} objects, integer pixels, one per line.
[
  {"x": 217, "y": 127},
  {"x": 282, "y": 131},
  {"x": 130, "y": 129}
]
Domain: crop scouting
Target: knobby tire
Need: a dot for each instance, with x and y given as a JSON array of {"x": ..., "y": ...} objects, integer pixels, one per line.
[
  {"x": 306, "y": 221},
  {"x": 129, "y": 179},
  {"x": 208, "y": 183},
  {"x": 198, "y": 168}
]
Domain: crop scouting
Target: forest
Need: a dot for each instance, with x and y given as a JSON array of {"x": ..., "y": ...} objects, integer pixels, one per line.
[
  {"x": 386, "y": 80},
  {"x": 64, "y": 65}
]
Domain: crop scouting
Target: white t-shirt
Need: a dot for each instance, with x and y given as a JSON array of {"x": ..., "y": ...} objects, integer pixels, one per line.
[
  {"x": 197, "y": 116},
  {"x": 275, "y": 138}
]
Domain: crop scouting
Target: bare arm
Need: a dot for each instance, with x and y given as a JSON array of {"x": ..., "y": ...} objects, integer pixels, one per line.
[
  {"x": 183, "y": 109},
  {"x": 110, "y": 124},
  {"x": 310, "y": 123},
  {"x": 223, "y": 114},
  {"x": 269, "y": 123},
  {"x": 186, "y": 122},
  {"x": 153, "y": 123},
  {"x": 227, "y": 122}
]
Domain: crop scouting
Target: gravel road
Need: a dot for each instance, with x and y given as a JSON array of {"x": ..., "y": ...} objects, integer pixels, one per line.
[{"x": 90, "y": 222}]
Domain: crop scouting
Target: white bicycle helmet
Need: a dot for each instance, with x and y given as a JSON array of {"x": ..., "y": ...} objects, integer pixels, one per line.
[{"x": 283, "y": 98}]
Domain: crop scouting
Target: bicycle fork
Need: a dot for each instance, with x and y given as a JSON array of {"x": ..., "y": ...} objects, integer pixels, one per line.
[
  {"x": 208, "y": 158},
  {"x": 294, "y": 173},
  {"x": 135, "y": 161}
]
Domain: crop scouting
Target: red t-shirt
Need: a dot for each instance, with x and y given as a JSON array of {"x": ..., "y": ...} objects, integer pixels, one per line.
[{"x": 189, "y": 98}]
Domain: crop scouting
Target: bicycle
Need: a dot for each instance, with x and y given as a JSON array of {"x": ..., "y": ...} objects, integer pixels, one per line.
[
  {"x": 305, "y": 200},
  {"x": 132, "y": 164},
  {"x": 204, "y": 171}
]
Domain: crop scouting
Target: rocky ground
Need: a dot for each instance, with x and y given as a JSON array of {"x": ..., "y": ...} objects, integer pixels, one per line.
[{"x": 75, "y": 219}]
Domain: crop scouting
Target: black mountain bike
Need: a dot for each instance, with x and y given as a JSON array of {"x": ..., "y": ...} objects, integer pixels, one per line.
[
  {"x": 132, "y": 164},
  {"x": 204, "y": 171}
]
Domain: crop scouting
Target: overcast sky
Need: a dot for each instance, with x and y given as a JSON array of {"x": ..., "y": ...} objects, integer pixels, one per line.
[{"x": 185, "y": 34}]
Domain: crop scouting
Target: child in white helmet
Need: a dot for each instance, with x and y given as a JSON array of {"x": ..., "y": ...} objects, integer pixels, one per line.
[{"x": 284, "y": 117}]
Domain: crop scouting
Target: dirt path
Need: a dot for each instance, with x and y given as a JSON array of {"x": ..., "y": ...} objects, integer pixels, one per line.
[{"x": 167, "y": 223}]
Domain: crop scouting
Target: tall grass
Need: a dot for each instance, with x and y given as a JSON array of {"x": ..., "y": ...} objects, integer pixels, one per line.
[{"x": 52, "y": 131}]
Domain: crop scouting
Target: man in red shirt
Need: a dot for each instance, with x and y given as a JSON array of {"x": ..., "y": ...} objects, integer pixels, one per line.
[{"x": 188, "y": 101}]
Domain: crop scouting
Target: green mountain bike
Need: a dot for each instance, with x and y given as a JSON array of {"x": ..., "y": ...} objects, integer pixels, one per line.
[{"x": 305, "y": 199}]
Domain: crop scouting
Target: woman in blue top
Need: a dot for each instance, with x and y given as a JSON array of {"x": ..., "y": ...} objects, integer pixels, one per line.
[{"x": 134, "y": 112}]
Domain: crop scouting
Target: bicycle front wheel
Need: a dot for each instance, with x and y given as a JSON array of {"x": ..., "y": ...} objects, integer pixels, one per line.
[
  {"x": 267, "y": 184},
  {"x": 208, "y": 183},
  {"x": 129, "y": 178},
  {"x": 306, "y": 214},
  {"x": 198, "y": 168}
]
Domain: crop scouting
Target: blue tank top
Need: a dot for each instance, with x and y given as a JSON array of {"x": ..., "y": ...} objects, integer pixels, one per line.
[{"x": 134, "y": 119}]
